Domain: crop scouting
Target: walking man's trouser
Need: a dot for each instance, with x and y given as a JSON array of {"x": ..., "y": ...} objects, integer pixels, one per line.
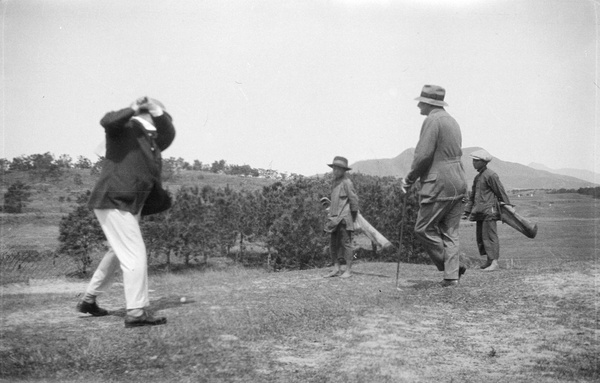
[{"x": 437, "y": 229}]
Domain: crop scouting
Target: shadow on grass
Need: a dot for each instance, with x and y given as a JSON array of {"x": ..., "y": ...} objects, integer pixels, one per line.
[
  {"x": 423, "y": 285},
  {"x": 178, "y": 268},
  {"x": 155, "y": 306},
  {"x": 371, "y": 274}
]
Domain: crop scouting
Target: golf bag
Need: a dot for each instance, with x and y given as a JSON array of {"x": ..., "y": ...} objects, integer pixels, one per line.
[
  {"x": 376, "y": 237},
  {"x": 362, "y": 225},
  {"x": 514, "y": 220}
]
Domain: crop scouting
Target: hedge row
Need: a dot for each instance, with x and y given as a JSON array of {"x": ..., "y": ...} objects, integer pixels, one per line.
[{"x": 285, "y": 219}]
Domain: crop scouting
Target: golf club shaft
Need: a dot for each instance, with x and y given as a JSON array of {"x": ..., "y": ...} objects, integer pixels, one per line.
[{"x": 405, "y": 199}]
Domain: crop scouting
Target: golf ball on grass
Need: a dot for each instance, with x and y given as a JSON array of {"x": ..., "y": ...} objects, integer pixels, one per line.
[{"x": 182, "y": 300}]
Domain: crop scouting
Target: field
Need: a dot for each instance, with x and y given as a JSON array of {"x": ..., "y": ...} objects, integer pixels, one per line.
[{"x": 536, "y": 320}]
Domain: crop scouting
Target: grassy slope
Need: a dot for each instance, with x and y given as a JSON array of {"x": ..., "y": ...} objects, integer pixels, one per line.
[{"x": 534, "y": 321}]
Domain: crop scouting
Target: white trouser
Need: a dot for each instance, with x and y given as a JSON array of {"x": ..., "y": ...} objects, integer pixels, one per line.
[{"x": 127, "y": 250}]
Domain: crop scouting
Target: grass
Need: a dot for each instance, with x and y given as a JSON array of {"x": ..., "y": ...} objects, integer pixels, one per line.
[
  {"x": 251, "y": 325},
  {"x": 536, "y": 320}
]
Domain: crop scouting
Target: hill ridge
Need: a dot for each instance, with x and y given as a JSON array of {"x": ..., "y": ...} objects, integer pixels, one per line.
[{"x": 512, "y": 174}]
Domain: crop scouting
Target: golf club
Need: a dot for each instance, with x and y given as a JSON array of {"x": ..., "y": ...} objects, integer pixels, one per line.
[{"x": 404, "y": 200}]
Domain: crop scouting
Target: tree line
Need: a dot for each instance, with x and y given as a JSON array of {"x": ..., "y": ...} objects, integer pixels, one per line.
[
  {"x": 284, "y": 219},
  {"x": 591, "y": 191},
  {"x": 47, "y": 165}
]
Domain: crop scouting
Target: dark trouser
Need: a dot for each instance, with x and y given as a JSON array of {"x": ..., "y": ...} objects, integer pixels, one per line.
[
  {"x": 437, "y": 229},
  {"x": 341, "y": 244},
  {"x": 487, "y": 239}
]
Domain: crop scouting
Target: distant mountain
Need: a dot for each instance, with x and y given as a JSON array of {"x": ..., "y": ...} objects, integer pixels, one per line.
[
  {"x": 512, "y": 175},
  {"x": 582, "y": 174}
]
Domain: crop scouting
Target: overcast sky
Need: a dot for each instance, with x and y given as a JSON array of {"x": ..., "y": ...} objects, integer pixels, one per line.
[{"x": 288, "y": 85}]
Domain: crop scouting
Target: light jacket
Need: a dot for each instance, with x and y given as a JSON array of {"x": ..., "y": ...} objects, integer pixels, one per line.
[
  {"x": 437, "y": 160},
  {"x": 486, "y": 195},
  {"x": 133, "y": 161},
  {"x": 344, "y": 201}
]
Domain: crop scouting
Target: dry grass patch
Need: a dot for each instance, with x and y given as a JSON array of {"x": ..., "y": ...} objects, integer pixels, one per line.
[{"x": 250, "y": 325}]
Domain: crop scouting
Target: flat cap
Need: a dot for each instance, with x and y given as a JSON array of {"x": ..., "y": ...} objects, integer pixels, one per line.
[{"x": 481, "y": 155}]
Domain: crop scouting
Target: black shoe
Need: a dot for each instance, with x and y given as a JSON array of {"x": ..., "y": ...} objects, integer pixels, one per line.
[
  {"x": 461, "y": 271},
  {"x": 144, "y": 320},
  {"x": 449, "y": 282},
  {"x": 91, "y": 308}
]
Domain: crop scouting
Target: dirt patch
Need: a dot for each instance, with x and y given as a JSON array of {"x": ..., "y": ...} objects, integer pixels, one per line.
[
  {"x": 43, "y": 286},
  {"x": 566, "y": 284}
]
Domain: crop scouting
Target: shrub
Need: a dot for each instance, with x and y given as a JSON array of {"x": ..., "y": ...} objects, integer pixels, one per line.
[
  {"x": 80, "y": 234},
  {"x": 286, "y": 216},
  {"x": 186, "y": 230},
  {"x": 297, "y": 234},
  {"x": 16, "y": 197},
  {"x": 381, "y": 203}
]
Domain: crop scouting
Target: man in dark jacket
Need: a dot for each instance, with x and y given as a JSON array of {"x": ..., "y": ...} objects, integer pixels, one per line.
[
  {"x": 135, "y": 138},
  {"x": 437, "y": 164},
  {"x": 483, "y": 207}
]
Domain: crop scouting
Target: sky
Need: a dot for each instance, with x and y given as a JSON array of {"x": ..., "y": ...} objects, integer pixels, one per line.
[{"x": 288, "y": 85}]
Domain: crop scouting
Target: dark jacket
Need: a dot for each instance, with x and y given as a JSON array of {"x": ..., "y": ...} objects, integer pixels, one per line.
[
  {"x": 437, "y": 161},
  {"x": 133, "y": 161},
  {"x": 486, "y": 196}
]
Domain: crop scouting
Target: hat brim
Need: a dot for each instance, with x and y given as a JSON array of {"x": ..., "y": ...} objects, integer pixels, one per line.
[
  {"x": 431, "y": 101},
  {"x": 338, "y": 166}
]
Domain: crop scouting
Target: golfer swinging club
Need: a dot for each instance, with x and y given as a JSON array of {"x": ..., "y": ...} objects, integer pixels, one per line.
[{"x": 129, "y": 186}]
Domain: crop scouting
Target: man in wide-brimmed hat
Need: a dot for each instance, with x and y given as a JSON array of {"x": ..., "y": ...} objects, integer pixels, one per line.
[
  {"x": 484, "y": 207},
  {"x": 437, "y": 164},
  {"x": 343, "y": 211},
  {"x": 129, "y": 186}
]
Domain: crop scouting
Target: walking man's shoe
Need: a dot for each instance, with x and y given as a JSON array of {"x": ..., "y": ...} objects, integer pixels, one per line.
[
  {"x": 461, "y": 271},
  {"x": 91, "y": 308},
  {"x": 449, "y": 282},
  {"x": 493, "y": 266},
  {"x": 143, "y": 320},
  {"x": 486, "y": 264}
]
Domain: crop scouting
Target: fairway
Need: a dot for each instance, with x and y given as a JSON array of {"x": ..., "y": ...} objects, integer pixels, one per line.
[
  {"x": 569, "y": 229},
  {"x": 535, "y": 320}
]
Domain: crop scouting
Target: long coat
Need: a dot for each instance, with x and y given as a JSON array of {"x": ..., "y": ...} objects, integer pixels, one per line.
[
  {"x": 437, "y": 161},
  {"x": 133, "y": 161},
  {"x": 344, "y": 201}
]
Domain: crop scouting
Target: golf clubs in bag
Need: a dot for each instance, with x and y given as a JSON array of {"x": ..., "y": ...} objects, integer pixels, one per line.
[
  {"x": 365, "y": 227},
  {"x": 511, "y": 218}
]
